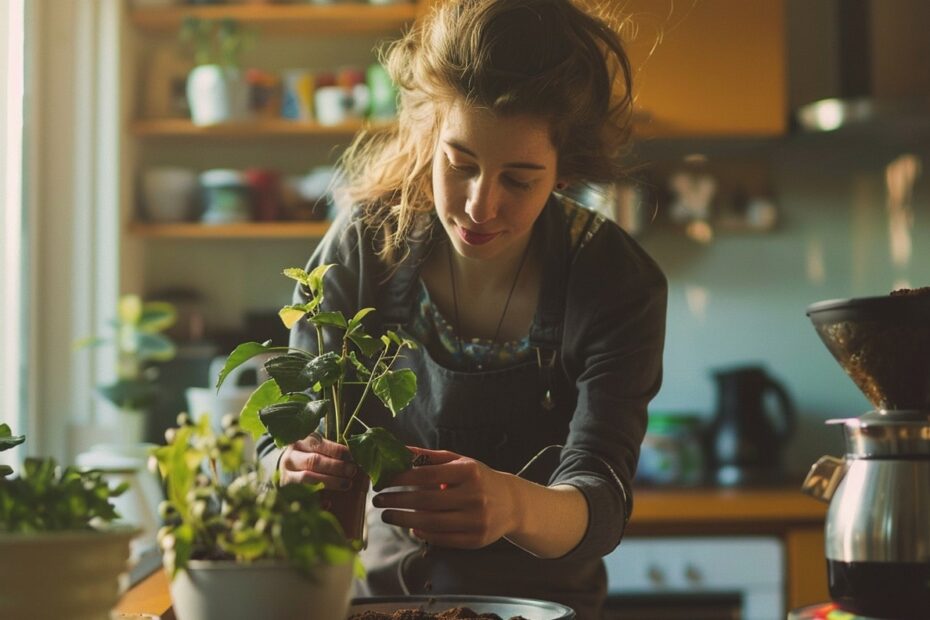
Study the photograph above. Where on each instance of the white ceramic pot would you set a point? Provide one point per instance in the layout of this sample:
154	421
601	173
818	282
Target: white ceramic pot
130	426
74	575
223	590
170	193
217	94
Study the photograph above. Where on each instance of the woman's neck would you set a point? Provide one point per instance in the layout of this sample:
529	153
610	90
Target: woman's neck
477	276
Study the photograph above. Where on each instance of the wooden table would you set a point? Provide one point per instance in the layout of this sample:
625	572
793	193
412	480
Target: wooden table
783	512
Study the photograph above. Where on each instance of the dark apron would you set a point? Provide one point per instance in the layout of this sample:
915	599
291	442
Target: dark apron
501	418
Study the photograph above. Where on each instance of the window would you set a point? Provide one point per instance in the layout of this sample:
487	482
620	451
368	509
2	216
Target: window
13	249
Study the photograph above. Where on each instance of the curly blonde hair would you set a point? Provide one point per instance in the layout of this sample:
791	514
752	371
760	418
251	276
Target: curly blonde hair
545	58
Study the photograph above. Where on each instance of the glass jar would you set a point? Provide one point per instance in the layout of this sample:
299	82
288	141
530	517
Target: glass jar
672	452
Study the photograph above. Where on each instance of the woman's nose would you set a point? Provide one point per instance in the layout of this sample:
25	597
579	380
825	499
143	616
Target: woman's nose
482	203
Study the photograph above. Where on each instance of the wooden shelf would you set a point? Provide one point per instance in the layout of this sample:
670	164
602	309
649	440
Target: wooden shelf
249	230
263	128
332	19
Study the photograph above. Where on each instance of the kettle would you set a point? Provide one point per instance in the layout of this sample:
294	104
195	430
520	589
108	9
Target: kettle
750	428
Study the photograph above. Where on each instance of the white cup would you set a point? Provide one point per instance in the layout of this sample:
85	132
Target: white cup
333	105
169	193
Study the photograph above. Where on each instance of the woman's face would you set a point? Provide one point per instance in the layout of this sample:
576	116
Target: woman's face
492	176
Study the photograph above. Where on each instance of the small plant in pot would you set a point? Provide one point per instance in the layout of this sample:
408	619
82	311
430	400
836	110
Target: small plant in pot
140	344
245	549
61	553
310	390
217	91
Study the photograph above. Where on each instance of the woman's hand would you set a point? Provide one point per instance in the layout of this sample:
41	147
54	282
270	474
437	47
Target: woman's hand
314	459
454	501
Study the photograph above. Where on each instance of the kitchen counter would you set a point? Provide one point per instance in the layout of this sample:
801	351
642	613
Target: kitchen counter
777	511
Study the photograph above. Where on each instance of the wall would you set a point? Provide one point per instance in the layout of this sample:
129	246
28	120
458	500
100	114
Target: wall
834	222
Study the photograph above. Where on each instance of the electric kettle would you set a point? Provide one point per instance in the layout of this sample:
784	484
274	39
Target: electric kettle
753	421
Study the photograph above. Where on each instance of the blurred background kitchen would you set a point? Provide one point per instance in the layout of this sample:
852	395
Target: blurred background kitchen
183	151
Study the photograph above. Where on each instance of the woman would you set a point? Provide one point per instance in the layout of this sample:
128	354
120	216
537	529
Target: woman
541	324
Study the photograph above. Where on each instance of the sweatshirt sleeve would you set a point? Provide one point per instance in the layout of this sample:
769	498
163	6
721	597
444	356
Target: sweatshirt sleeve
612	344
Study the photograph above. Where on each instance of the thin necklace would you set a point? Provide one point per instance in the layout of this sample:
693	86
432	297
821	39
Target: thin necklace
455	299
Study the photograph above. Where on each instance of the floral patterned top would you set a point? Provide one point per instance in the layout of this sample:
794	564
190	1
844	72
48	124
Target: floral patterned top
434	332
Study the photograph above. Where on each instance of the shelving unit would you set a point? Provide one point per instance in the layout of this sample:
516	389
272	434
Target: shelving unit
269	20
291	19
234	269
249	230
262	128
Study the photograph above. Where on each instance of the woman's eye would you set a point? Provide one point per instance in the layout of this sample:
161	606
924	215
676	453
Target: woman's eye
461	168
516	183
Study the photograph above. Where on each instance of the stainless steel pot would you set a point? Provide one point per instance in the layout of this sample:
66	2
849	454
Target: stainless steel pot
505	607
878	524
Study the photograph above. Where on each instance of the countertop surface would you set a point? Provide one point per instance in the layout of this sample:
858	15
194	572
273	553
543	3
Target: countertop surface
657	511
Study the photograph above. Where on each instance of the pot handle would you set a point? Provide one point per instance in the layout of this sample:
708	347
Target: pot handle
787	409
823	478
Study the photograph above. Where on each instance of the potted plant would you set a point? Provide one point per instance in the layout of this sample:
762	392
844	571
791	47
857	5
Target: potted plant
245	549
308	390
139	342
217	91
61	556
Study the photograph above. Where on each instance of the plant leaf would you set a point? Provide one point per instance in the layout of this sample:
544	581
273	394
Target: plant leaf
156	316
129	309
154	347
247	545
129	393
292	421
380	454
290	371
396	389
5	470
324	370
291	314
357	319
241	354
298	274
315	279
335	319
360	368
7	439
266	394
366	344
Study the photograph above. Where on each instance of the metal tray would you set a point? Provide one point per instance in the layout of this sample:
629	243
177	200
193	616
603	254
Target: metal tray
504	606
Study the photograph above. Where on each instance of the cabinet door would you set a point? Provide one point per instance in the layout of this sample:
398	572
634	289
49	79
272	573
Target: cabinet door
708	67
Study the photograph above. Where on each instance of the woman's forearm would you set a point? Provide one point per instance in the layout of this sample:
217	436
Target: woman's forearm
549	521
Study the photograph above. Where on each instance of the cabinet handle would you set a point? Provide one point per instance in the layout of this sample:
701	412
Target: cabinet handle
656	575
693	575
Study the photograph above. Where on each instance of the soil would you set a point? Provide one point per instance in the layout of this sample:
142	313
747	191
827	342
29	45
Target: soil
456	613
911	292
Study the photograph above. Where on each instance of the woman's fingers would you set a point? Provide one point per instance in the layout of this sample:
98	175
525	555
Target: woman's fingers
314	459
430	500
432	521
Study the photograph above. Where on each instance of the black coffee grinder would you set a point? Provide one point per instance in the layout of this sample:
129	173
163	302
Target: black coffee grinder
878	524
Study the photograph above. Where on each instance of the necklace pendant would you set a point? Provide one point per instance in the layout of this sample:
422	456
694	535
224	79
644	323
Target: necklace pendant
547	401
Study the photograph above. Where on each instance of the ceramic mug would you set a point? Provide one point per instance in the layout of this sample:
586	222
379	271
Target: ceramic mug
169	193
333	104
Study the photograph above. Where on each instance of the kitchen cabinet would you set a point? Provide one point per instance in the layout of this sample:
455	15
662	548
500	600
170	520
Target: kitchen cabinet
784	513
711	68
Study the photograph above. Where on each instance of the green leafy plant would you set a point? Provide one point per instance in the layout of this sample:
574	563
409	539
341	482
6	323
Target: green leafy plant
216	42
307	388
139	342
49	498
242	521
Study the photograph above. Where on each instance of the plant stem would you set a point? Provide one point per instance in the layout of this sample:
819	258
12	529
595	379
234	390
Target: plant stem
331	431
364	395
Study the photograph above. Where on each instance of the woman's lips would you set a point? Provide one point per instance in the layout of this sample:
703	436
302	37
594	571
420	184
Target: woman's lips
475	238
